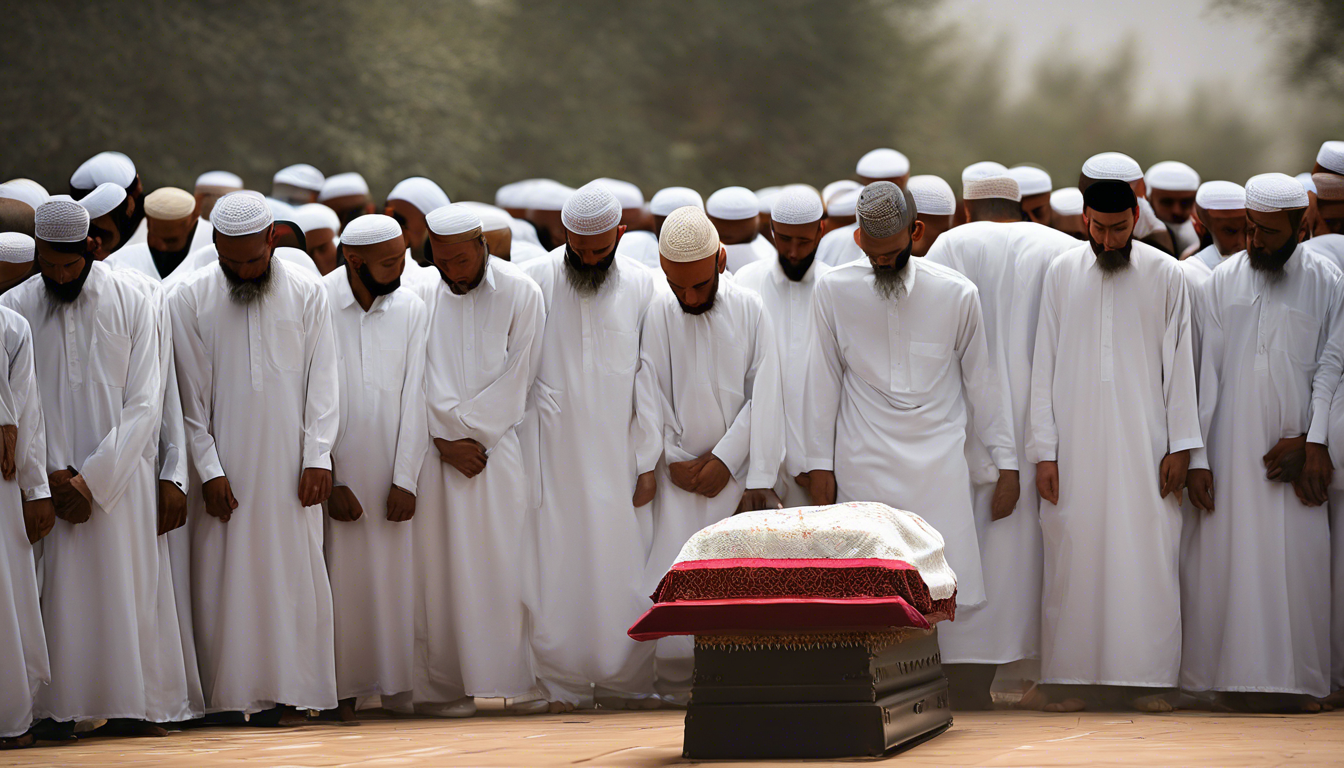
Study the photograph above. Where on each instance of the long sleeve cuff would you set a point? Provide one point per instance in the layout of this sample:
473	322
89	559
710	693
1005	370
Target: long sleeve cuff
759	479
42	491
406	481
1320	426
317	461
827	465
209	467
1005	458
1187	444
1199	458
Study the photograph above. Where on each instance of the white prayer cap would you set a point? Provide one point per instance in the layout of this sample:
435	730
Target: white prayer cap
1067	201
219	180
493	219
314	216
982	170
842	204
836	187
996	187
766	197
546	195
1031	180
1271	192
933	196
797	206
884	209
733	204
16	248
61	221
1306	181
169	204
424	194
1171	176
883	164
301	175
455	219
669	199
514	194
280	210
688	235
370	229
1112	165
103	167
13	190
102	200
342	185
1331	156
627	194
1221	196
241	213
591	210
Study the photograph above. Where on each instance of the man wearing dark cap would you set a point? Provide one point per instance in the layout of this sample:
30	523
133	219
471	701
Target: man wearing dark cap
1113	420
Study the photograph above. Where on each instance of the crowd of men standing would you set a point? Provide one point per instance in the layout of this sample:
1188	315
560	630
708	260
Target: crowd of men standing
271	455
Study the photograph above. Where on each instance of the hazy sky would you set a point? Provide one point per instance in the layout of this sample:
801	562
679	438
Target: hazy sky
1182	42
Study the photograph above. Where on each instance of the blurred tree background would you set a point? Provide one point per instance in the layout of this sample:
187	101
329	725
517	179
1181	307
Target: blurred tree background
704	93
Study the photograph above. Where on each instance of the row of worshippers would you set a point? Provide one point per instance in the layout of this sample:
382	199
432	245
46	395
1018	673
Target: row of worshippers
623	409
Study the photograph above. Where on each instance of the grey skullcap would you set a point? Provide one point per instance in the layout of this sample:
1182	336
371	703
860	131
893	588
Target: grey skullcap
884	209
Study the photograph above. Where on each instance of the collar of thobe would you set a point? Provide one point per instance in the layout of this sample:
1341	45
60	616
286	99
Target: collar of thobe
345	295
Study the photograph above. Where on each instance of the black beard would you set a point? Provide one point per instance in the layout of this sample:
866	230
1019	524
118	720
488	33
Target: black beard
706	305
1271	263
462	289
1111	261
887	280
247	291
587	279
544	237
66	293
373	286
128	223
797	270
167	261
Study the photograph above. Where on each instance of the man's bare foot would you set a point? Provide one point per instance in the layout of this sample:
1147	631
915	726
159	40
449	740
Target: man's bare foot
1335	699
1153	704
559	707
128	727
1277	703
527	706
1067	705
279	716
18	742
344	713
1034	699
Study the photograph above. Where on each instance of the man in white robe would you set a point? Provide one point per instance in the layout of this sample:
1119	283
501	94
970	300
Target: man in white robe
1257	599
1171	188
594	431
1006	258
28	516
1220	222
256	365
734	211
172	218
710	346
486	321
899	366
108	606
1118	166
409	202
1113	419
379	328
785	286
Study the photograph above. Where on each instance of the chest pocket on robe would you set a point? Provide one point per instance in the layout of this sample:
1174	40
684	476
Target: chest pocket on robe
391	361
494	353
619	351
1298	337
928	360
109	357
287	345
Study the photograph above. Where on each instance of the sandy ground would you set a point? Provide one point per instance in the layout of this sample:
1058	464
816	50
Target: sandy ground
493	738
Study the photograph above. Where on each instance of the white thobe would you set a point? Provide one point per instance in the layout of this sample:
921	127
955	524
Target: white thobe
741	254
259	396
1007	263
24	665
137	257
789	305
1183	235
890	387
1113	391
139	235
1257	608
207	255
642	247
107	599
523	231
838	248
471	629
381	442
594	428
1211	257
522	252
719	384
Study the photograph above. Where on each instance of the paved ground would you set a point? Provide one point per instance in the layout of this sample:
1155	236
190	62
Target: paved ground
1004	738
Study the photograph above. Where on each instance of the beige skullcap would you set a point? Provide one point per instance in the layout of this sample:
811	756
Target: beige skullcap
688	235
169	204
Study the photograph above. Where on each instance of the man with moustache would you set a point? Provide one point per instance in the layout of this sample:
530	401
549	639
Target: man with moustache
899	364
709	344
171	213
258	373
1113	420
785	285
486	321
592	439
108	606
1257	609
